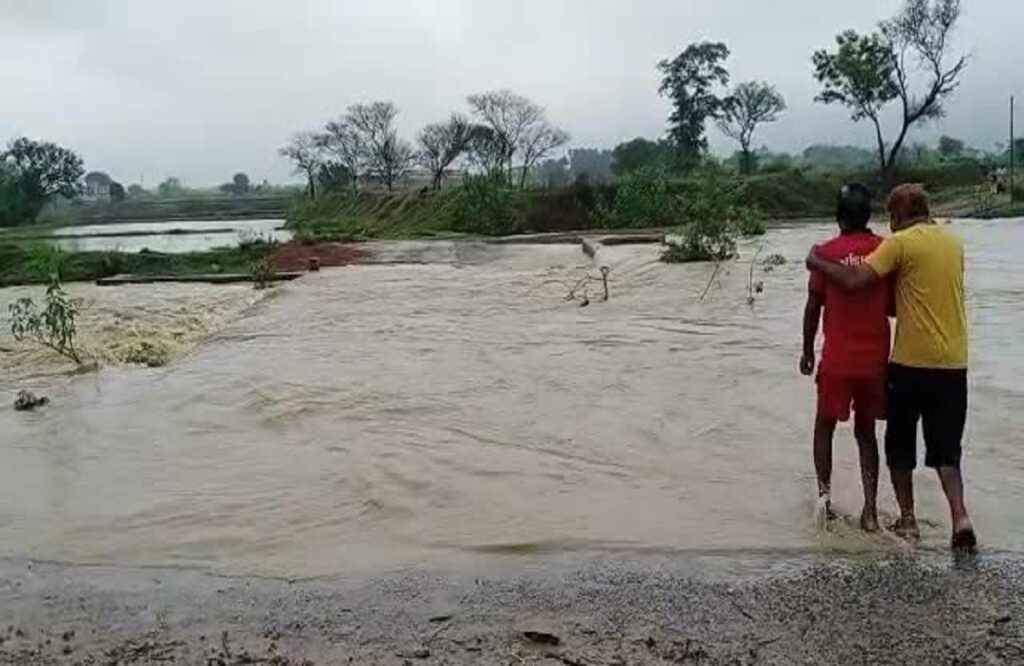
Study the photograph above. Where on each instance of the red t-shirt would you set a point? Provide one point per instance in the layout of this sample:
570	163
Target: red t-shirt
856	323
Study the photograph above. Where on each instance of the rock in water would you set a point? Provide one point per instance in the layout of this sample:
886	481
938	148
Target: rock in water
28	401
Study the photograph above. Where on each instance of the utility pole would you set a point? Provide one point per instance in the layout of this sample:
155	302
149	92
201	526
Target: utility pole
1012	151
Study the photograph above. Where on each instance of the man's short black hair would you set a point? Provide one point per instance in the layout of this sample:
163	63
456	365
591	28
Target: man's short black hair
853	210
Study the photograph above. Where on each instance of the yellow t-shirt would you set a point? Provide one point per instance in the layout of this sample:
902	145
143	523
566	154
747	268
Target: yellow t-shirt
931	325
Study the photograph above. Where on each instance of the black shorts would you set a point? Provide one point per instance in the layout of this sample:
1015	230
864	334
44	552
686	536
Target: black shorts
936	397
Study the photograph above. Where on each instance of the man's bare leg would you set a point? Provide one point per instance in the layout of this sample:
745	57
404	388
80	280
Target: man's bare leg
867	443
953	486
903	485
824	431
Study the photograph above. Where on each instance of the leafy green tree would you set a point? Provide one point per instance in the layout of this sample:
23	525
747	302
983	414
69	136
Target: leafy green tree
34	173
751	104
241	184
822	156
867	72
170	188
639	154
333	177
950	148
691	81
116	192
552	172
595	165
135	191
97	183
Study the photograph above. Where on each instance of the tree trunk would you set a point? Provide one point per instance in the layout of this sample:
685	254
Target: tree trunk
312	187
896	147
883	171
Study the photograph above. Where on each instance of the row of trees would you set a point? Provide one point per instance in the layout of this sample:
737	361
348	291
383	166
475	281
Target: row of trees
907	62
505	136
34	173
100	184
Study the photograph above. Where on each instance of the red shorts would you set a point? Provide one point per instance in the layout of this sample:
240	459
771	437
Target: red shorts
837	394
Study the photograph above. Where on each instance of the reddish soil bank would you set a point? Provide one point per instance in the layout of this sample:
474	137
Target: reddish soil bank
296	257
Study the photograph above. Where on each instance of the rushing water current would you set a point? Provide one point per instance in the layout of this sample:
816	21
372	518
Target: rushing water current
395	415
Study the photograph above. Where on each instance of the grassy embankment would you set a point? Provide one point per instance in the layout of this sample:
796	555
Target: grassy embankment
34	263
472	210
478	210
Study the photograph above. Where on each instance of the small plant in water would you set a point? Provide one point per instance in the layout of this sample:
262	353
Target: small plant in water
53	327
262	273
773	260
702	240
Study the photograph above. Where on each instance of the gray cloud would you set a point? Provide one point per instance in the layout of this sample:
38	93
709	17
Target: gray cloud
203	88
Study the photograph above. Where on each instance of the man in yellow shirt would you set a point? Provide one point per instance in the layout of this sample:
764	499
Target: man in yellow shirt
928	369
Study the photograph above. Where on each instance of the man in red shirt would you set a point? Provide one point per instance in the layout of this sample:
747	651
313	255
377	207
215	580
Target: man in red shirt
855	355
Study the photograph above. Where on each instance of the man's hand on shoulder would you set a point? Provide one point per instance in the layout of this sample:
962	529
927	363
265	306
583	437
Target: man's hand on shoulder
814	260
847	277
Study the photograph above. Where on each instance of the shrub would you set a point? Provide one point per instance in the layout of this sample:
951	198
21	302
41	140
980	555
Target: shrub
643	198
749	222
716	213
703	240
262	273
481	205
53	327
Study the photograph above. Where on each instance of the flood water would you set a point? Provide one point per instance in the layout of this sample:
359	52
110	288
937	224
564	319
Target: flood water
200	236
387	416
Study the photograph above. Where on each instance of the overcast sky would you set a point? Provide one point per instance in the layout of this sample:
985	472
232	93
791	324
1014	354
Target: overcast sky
200	89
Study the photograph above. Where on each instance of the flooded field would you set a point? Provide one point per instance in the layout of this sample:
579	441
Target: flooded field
166	236
378	417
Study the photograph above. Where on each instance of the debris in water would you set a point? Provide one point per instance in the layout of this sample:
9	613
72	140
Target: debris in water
151	353
542	638
773	260
28	401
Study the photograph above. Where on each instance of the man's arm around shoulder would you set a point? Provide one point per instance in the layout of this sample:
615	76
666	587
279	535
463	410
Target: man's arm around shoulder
880	263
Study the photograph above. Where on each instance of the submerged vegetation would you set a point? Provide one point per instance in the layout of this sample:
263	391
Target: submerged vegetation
52	325
37	263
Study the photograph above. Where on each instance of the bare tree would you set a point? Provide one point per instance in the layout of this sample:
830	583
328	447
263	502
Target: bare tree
508	116
392	159
537	142
923	29
751	104
386	155
869	71
304	151
346	145
441	144
487	151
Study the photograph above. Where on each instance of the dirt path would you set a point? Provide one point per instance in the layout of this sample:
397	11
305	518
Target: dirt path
698	610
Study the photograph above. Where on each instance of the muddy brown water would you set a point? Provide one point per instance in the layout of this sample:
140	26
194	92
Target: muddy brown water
380	417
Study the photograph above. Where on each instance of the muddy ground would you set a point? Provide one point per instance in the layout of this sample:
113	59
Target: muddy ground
699	610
